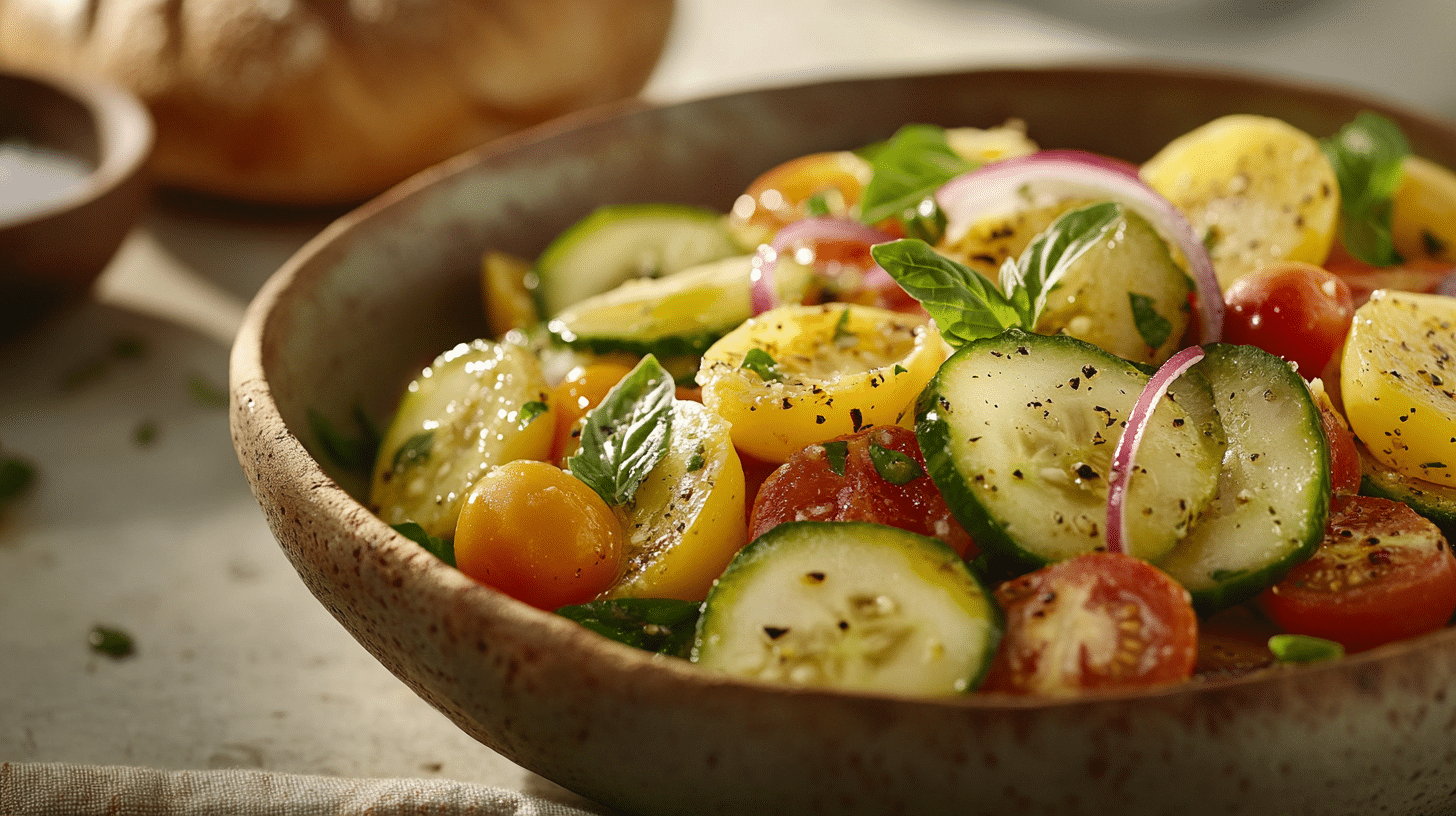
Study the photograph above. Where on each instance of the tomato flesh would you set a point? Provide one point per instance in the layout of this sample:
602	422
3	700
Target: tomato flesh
1344	455
853	478
1101	621
1381	574
1295	310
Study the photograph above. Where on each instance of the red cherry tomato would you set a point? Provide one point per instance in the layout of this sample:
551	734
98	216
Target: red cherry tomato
1096	621
1295	310
876	475
1413	275
1382	573
1344	455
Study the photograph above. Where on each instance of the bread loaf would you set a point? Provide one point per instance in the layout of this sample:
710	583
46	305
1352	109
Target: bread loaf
322	102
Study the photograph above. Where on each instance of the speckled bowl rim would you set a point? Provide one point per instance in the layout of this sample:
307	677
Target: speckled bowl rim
268	448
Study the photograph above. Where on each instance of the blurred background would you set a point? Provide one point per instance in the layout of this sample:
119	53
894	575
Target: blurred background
137	516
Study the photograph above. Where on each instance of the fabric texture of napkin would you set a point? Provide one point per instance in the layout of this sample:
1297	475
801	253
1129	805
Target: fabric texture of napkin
61	789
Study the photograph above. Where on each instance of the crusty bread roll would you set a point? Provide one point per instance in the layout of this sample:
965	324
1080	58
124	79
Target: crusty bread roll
321	102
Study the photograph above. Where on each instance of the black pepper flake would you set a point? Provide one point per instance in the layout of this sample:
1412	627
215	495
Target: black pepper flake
775	632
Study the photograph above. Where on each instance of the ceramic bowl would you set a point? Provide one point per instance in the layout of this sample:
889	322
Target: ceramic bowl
345	323
73	152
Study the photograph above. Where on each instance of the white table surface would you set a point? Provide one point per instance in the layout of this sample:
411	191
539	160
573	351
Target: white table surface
237	665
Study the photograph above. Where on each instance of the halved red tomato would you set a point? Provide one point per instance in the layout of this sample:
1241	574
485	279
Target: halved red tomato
1097	621
875	475
1383	573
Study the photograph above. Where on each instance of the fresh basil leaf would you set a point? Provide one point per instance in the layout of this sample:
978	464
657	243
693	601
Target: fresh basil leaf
837	452
843	337
1367	155
627	434
763	364
112	642
965	305
893	466
531	411
441	548
906	170
660	625
1303	648
354	453
1047	259
817	205
1152	327
414	451
16	475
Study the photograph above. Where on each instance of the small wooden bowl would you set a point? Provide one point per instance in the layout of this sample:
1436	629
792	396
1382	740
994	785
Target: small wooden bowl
346	322
54	245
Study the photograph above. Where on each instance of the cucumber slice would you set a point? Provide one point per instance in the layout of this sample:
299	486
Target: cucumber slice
1018	432
1436	502
1274	487
478	405
617	243
678	315
850	605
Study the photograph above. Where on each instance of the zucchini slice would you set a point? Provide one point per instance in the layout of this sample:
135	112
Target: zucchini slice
619	242
1018	432
1273	488
850	605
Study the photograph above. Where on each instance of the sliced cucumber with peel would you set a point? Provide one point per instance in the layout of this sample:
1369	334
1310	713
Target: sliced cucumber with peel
681	314
1436	502
1018	432
617	243
1274	486
853	606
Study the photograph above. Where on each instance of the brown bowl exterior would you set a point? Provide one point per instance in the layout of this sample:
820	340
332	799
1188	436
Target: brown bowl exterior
50	256
352	316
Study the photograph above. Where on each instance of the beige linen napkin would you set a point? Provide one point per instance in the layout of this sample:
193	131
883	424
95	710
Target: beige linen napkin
60	789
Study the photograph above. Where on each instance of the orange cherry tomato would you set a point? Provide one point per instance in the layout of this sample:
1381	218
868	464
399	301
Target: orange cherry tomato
817	184
1381	574
538	534
581	390
1097	621
876	475
1295	310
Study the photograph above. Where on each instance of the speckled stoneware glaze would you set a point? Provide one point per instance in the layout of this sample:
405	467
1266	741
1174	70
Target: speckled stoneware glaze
351	318
51	253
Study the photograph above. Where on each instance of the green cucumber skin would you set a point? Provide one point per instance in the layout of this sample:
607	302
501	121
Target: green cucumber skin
1225	365
678	345
792	533
1435	502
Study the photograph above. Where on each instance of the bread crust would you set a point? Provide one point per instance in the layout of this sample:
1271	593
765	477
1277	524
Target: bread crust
320	102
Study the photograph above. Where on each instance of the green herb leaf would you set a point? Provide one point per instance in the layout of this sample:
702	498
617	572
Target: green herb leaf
696	461
205	393
837	451
16	476
1304	648
763	364
1367	155
893	466
351	453
441	548
412	452
145	432
112	642
843	337
1152	327
965	305
531	411
1047	259
817	205
627	434
660	625
906	170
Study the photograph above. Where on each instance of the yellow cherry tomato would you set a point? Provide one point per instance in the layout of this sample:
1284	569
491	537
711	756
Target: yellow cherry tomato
538	534
581	391
835	369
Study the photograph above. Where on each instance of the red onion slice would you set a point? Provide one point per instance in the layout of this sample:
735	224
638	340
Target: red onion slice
808	231
1124	455
1050	176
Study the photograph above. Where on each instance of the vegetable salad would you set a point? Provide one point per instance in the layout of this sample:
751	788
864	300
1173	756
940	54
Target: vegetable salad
958	413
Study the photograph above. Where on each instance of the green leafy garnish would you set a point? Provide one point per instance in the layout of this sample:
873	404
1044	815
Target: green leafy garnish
205	393
660	625
414	451
965	305
843	337
1152	327
112	642
837	451
531	411
441	548
145	432
1367	155
353	453
16	476
893	466
905	172
696	461
1304	648
627	434
763	364
817	205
